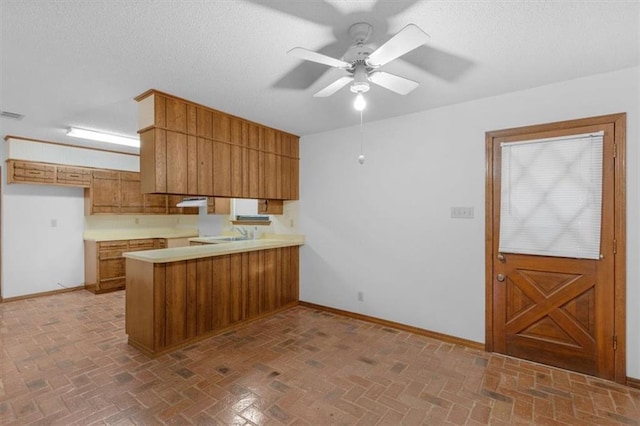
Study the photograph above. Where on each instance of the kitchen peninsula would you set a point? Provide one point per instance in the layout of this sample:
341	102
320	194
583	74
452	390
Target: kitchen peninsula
177	296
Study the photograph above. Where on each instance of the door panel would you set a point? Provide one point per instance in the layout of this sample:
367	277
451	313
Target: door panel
555	310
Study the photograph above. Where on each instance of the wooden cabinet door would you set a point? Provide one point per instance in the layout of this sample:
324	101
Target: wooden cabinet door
221	169
270	207
255	161
105	192
218	205
155	203
111	265
204	149
74	176
30	172
236	161
177	164
271	171
131	199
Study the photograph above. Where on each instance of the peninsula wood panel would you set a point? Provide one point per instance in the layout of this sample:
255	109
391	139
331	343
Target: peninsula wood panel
204	298
196	298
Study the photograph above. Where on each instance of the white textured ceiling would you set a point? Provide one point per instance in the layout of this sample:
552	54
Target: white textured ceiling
81	62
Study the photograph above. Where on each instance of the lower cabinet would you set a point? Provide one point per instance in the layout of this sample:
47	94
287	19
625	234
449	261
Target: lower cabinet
104	265
169	305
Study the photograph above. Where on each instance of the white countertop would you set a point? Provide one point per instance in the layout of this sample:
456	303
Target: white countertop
208	250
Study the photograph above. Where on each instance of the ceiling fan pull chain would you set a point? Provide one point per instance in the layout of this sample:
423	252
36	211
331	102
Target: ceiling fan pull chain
361	156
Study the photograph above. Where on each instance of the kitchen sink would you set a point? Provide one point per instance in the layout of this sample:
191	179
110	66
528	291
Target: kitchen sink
216	240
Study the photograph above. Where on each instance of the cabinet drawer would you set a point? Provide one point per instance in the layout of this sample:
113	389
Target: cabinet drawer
147	244
112	268
111	284
33	172
112	245
73	176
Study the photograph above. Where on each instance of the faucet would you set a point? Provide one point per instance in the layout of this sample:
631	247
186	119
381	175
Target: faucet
241	230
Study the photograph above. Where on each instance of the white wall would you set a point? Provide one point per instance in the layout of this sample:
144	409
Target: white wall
384	228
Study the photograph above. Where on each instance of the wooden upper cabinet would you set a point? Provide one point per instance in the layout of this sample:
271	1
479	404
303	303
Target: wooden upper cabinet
105	192
237	164
73	176
176	115
187	148
131	198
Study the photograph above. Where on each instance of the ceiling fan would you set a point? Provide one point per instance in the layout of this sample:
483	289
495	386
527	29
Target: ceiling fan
362	63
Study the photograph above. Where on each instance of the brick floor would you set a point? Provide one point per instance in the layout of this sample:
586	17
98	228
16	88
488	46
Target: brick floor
65	360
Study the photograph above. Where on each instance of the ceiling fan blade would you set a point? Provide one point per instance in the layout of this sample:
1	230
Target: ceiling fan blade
333	87
310	55
393	82
403	42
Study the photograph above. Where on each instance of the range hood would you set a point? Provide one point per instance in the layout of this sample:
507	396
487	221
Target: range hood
193	202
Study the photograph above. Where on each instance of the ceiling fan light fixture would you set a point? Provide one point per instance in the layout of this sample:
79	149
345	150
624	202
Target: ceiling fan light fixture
360	103
360	87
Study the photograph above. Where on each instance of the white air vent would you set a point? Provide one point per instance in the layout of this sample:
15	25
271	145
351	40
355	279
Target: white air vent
13	115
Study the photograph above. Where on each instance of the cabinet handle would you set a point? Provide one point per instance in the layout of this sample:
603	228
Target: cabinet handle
74	176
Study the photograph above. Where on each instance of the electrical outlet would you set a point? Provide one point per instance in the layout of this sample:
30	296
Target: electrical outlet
137	221
54	223
462	212
361	296
291	223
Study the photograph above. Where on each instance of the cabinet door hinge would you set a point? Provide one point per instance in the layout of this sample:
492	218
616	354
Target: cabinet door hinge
615	342
615	150
615	246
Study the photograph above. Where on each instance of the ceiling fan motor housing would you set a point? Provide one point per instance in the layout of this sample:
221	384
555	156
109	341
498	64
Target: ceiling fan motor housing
360	78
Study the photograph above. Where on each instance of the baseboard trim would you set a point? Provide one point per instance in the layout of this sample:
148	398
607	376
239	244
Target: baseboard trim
399	326
44	293
633	383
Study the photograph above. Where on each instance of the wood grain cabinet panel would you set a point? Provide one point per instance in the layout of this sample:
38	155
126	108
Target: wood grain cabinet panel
221	169
194	299
131	198
105	192
155	203
30	172
105	265
73	176
195	150
270	207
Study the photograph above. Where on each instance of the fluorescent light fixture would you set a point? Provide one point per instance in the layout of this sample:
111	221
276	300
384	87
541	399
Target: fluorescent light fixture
103	137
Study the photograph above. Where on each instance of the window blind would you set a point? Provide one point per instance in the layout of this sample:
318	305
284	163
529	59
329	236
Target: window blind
551	196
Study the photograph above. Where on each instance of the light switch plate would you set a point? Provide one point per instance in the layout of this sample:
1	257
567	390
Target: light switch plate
462	212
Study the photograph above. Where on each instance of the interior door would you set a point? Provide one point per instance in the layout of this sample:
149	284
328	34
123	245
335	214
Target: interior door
560	311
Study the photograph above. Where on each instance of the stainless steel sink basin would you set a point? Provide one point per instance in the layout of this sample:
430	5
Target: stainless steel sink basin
216	240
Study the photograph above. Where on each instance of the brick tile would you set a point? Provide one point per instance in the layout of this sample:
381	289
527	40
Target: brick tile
65	360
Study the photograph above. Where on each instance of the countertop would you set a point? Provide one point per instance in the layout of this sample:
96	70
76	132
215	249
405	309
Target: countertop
138	234
208	250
